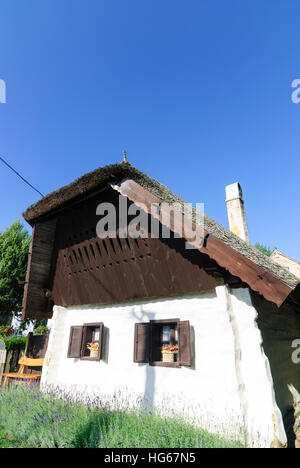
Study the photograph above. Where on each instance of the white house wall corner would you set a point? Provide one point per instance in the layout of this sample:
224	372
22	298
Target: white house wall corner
262	415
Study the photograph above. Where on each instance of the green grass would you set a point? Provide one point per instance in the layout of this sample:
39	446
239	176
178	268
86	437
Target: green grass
33	419
6	441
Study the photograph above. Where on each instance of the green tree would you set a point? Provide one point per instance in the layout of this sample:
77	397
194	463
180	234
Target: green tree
14	246
264	249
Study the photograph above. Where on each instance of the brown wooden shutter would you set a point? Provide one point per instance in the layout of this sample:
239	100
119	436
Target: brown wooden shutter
101	340
74	350
141	342
184	338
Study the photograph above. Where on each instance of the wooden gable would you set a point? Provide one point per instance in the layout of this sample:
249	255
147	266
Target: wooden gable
70	265
90	270
85	269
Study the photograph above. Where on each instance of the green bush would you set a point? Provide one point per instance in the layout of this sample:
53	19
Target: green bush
15	343
49	419
41	329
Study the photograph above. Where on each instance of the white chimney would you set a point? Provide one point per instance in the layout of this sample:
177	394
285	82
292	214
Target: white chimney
236	211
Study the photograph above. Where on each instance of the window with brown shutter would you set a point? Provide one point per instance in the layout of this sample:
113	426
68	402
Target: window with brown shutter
184	339
75	341
86	342
164	343
141	342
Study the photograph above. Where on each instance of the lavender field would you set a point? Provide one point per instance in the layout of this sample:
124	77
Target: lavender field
31	418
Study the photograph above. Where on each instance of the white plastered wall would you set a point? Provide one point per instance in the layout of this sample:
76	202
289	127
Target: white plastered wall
262	416
228	387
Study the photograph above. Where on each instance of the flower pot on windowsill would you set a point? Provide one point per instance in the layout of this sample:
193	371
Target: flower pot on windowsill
168	357
94	353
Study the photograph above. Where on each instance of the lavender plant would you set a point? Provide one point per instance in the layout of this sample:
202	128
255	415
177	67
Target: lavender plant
54	418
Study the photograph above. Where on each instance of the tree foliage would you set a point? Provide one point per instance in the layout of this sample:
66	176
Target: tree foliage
264	249
14	246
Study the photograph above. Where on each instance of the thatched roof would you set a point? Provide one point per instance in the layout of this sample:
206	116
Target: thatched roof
117	172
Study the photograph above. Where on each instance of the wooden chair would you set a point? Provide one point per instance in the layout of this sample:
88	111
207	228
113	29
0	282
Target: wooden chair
23	363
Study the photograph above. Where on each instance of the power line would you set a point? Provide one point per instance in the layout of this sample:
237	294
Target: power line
19	175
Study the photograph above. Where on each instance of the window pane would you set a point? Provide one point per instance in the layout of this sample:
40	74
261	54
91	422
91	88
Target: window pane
176	335
166	334
96	334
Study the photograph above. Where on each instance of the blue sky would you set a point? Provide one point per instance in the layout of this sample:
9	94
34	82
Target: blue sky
197	92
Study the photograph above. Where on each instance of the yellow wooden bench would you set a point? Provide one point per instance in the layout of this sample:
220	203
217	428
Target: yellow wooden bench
23	363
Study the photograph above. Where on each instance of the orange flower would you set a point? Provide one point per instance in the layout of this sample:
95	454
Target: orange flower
169	349
93	346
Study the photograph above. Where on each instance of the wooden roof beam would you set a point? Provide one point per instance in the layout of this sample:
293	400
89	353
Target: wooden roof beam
257	278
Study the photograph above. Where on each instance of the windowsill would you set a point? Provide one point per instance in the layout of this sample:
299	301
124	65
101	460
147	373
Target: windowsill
88	358
165	364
